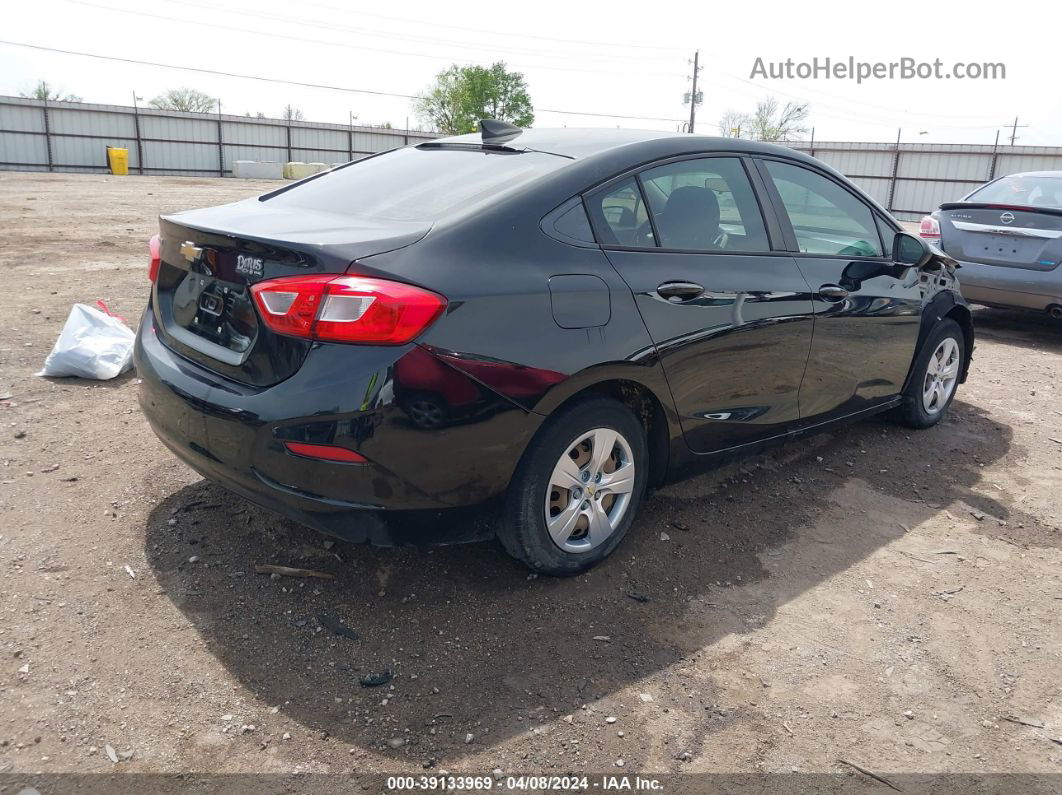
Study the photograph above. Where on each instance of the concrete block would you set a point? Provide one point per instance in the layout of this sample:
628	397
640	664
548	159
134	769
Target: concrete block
296	170
257	169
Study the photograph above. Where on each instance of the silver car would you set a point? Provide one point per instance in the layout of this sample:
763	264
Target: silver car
1007	235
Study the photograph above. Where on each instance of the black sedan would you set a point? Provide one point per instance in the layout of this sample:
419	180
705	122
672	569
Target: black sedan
552	320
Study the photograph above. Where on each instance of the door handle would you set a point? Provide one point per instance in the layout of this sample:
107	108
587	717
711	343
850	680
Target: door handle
832	292
677	292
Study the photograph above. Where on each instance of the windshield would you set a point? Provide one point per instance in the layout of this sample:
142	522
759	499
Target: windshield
1027	191
412	184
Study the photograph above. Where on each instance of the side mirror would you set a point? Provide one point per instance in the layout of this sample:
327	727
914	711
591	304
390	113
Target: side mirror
910	250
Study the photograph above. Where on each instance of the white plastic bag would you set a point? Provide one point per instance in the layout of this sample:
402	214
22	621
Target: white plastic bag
93	344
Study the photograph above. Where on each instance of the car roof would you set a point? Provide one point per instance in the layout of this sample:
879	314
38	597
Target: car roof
580	143
1057	174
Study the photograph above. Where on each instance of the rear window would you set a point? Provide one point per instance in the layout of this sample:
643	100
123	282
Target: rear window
1025	191
412	184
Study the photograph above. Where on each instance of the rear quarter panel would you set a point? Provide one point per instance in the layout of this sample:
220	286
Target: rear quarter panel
495	272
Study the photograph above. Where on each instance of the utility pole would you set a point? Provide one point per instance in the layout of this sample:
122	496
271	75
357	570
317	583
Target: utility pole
693	93
1014	130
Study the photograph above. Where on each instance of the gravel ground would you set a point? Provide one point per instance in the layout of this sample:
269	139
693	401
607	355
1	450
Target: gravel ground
877	595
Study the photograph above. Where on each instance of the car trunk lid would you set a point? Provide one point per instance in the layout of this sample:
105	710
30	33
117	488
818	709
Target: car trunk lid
1003	235
210	258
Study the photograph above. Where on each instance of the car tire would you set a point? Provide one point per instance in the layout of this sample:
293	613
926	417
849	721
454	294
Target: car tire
544	497
918	409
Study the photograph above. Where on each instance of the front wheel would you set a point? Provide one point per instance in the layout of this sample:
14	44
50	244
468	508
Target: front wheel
935	376
577	488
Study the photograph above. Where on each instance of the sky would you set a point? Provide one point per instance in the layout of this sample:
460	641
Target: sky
618	58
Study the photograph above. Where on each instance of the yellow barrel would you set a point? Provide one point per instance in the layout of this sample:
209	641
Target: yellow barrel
118	160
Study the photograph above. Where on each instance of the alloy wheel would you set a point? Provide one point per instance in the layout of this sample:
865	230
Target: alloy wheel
942	374
590	490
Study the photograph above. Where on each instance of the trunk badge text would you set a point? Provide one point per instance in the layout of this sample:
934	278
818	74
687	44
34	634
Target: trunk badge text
1007	217
249	266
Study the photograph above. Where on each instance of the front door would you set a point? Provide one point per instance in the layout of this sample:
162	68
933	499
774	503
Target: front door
868	308
731	320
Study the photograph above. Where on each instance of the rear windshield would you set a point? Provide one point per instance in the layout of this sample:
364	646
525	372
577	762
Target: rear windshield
412	184
1024	191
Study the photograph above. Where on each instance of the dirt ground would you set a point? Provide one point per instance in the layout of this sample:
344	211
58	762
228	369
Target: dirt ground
877	595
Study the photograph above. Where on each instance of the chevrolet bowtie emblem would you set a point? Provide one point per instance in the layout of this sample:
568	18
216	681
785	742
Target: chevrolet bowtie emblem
190	251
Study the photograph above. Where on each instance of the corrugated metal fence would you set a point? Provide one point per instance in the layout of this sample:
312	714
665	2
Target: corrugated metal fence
908	179
73	136
911	180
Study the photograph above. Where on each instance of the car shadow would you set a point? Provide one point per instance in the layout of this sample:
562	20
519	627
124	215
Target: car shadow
477	646
1035	330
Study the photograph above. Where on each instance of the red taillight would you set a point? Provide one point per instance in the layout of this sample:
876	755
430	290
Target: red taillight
155	247
929	228
358	309
325	452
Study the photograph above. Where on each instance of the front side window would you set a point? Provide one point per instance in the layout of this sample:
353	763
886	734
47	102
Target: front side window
705	205
888	234
826	218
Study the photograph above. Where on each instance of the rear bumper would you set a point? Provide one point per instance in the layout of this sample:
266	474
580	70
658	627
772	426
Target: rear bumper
1021	288
234	435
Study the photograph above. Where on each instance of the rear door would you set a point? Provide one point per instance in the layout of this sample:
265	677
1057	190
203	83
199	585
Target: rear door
867	308
730	317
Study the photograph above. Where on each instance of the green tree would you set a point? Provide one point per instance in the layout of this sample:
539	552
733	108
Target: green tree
189	100
462	95
46	91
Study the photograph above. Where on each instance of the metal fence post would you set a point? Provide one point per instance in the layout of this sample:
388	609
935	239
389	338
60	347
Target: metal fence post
995	159
221	145
48	136
139	145
895	172
289	140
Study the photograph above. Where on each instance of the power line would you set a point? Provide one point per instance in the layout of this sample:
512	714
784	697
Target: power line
304	84
584	42
355	47
332	25
208	71
604	115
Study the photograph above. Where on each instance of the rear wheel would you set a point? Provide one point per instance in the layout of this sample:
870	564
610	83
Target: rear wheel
577	488
935	376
